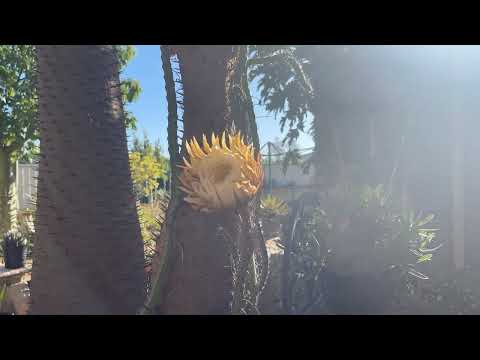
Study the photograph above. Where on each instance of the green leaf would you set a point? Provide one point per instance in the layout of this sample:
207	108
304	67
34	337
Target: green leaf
425	220
423	258
415	252
423	250
417	274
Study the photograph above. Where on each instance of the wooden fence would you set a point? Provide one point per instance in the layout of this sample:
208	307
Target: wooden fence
26	184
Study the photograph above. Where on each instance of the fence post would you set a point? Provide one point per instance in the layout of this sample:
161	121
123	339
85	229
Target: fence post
270	186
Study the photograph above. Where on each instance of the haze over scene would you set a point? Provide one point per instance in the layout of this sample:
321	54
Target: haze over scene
151	107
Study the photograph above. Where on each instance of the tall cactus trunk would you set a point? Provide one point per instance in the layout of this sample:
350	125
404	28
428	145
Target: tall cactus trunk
88	251
200	278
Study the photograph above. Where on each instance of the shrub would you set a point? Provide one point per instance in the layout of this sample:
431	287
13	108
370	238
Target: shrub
25	226
271	206
151	219
355	257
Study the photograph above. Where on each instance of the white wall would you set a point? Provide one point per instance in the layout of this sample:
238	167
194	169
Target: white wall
294	175
26	184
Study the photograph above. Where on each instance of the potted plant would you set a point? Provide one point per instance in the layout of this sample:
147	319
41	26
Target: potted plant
14	250
271	211
25	226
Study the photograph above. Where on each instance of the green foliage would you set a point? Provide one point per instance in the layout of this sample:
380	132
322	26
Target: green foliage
14	237
125	54
291	157
145	147
148	166
309	257
145	173
371	196
130	88
360	238
287	155
18	99
25	226
284	87
404	235
271	206
422	238
3	297
151	219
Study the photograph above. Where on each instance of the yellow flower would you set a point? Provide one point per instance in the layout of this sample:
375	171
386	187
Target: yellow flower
220	175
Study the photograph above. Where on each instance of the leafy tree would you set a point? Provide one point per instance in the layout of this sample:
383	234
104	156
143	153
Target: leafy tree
130	87
285	90
18	120
284	87
146	172
147	165
144	146
302	82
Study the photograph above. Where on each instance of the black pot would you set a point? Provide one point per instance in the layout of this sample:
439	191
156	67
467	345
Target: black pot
14	255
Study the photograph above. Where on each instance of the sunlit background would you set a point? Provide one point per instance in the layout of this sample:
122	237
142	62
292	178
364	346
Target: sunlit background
374	209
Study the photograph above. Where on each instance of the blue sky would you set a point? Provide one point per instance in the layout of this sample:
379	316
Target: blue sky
151	107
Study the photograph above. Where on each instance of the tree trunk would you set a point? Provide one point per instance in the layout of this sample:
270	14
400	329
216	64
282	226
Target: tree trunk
88	251
328	147
5	180
200	280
